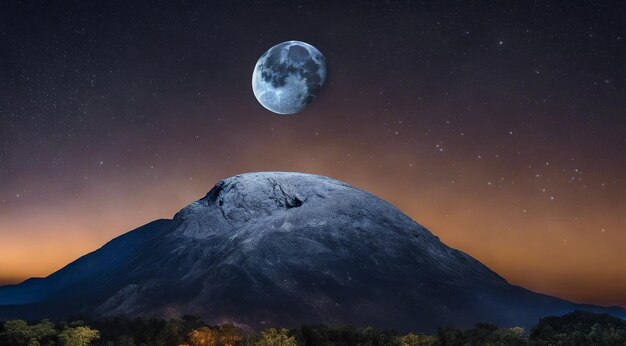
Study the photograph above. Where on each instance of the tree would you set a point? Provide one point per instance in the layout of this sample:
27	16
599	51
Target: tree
78	336
224	335
509	336
371	336
170	334
579	328
42	333
275	337
230	335
450	336
203	336
417	340
18	333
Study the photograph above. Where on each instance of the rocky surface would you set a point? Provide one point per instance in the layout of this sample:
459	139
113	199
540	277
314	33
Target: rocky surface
285	249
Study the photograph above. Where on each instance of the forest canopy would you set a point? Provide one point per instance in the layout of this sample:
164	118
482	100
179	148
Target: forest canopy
577	328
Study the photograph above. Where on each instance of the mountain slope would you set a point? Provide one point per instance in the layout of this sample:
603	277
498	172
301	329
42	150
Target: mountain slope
287	249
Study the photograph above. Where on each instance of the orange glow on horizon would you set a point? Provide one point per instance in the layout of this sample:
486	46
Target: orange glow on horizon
555	246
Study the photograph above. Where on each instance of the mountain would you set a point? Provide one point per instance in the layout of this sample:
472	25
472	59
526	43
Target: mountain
285	249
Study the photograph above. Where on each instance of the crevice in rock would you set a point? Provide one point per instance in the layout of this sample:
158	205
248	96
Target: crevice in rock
287	200
211	197
292	203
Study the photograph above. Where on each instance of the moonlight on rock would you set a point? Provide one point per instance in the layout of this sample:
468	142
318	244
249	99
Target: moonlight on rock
288	77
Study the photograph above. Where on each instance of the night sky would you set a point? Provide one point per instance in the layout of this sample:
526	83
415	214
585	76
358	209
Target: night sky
501	129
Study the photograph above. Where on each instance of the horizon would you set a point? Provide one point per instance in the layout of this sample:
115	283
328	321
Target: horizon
203	196
96	246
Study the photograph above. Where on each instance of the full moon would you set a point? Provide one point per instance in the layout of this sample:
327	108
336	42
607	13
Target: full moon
288	77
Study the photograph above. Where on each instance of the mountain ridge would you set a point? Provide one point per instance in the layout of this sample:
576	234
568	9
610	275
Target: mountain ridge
285	248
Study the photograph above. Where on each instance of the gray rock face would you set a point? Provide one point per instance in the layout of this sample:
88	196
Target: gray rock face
285	249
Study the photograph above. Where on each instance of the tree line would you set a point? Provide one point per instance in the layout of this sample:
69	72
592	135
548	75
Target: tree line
577	328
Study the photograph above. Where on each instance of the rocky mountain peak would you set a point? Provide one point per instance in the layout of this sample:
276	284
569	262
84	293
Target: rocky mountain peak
267	192
254	196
